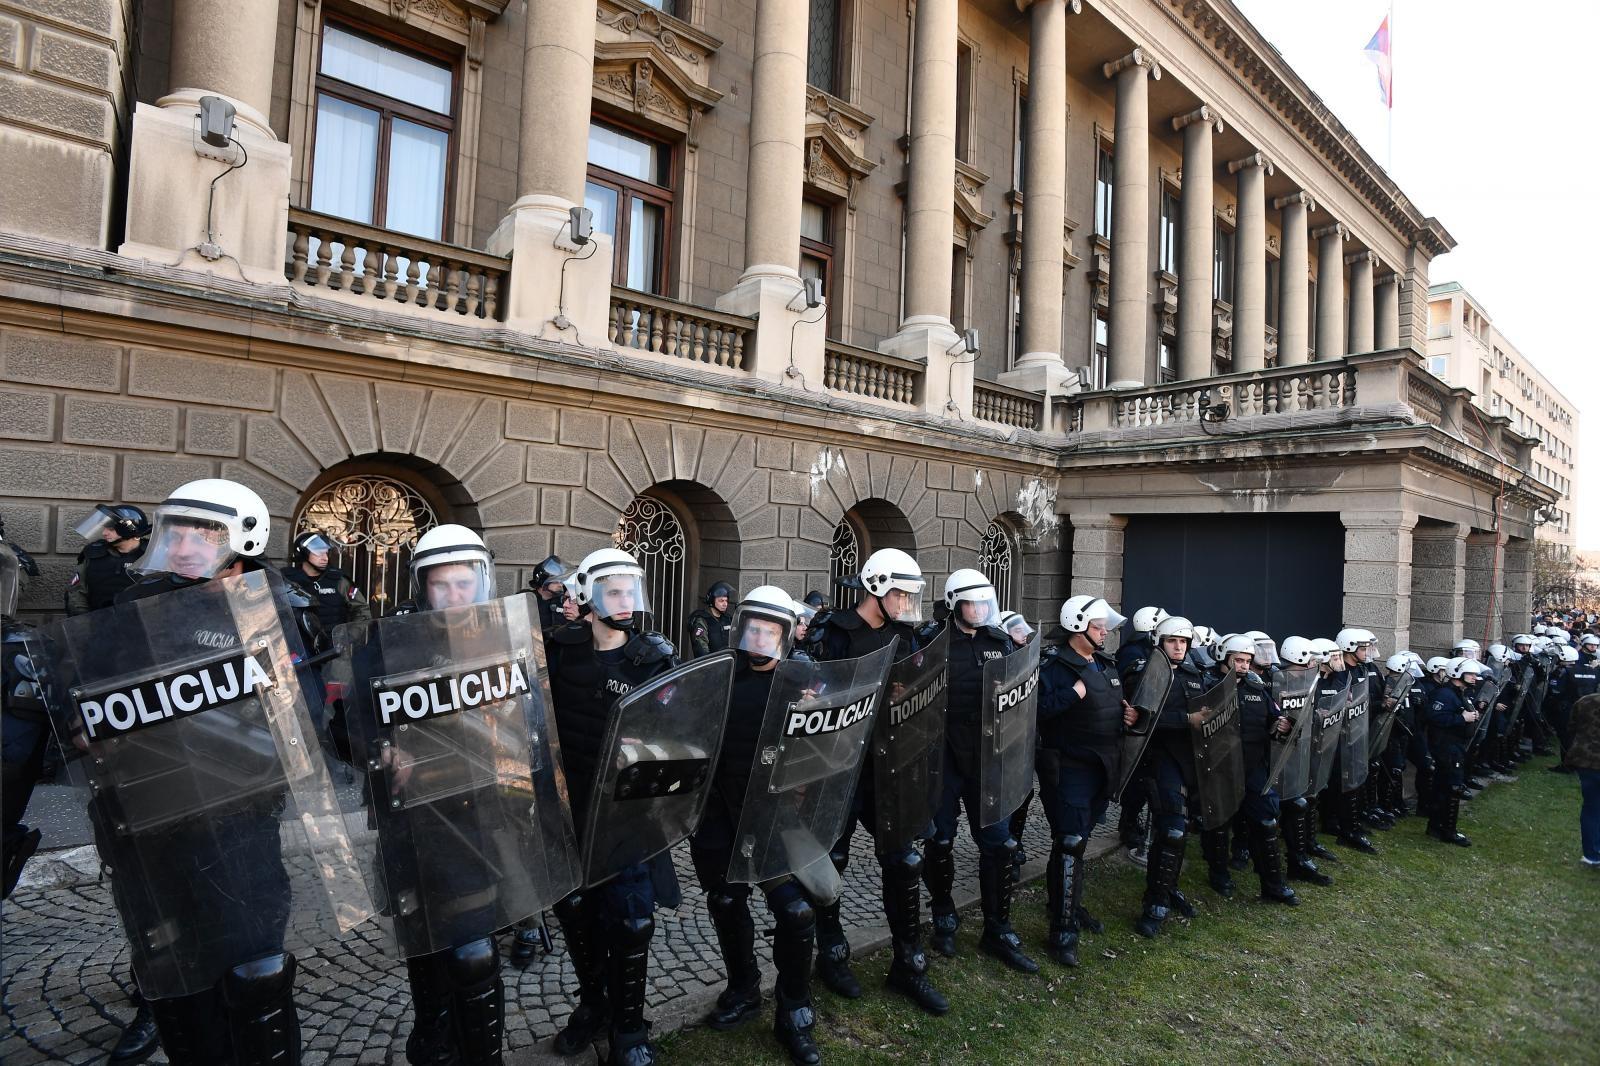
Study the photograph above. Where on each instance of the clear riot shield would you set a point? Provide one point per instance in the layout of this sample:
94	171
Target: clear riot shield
655	767
207	789
1154	684
1536	684
448	715
1006	752
908	746
814	735
1327	728
1353	737
1487	694
1387	711
1218	751
1290	773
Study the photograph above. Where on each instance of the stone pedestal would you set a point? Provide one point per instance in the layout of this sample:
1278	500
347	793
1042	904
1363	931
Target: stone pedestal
1377	573
784	336
947	379
1438	558
1484	571
535	234
1517	591
1097	541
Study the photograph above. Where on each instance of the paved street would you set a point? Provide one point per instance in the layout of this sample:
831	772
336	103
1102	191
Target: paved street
66	977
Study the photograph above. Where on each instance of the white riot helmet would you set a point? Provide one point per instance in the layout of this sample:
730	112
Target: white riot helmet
450	567
1467	648
1173	626
205	525
888	569
763	624
1079	611
1297	651
1266	648
971	587
1351	639
1590	640
1326	650
1145	619
1540	630
1499	654
1520	640
1466	670
610	582
1438	665
1204	637
1560	636
1016	627
1238	644
1569	654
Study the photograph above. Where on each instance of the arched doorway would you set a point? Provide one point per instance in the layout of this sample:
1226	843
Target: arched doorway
844	561
373	520
864	529
999	556
653	533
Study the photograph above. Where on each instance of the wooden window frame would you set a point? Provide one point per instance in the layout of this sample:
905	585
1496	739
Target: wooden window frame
626	187
827	251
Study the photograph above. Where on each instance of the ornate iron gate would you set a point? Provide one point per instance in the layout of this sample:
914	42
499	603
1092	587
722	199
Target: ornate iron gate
373	523
844	560
653	534
997	554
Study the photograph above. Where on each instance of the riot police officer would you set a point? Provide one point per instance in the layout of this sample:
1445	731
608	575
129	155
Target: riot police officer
1452	716
1081	714
1259	722
607	928
1342	807
1297	814
26	733
893	583
709	624
1131	656
116	534
763	634
550	591
336	597
975	639
1168	769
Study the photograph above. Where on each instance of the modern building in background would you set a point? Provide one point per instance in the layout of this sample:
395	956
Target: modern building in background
1467	350
1094	281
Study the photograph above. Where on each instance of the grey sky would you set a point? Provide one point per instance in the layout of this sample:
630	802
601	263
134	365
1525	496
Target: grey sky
1489	136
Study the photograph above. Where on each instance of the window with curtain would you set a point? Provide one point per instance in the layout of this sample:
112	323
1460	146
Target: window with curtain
816	247
385	116
1222	271
1100	358
629	190
1019	148
963	102
822	45
1166	360
1104	182
1171	213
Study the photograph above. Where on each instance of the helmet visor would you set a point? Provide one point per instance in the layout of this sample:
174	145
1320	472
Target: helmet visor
762	634
977	608
619	596
456	583
186	545
316	543
95	524
1469	653
1019	629
1266	652
901	604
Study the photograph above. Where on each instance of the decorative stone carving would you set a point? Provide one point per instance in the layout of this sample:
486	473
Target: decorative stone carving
653	91
1167	301
653	65
648	22
835	143
969	197
1222	330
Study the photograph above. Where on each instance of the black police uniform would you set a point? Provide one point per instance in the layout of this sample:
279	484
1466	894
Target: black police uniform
24	739
1130	825
1342	809
607	928
728	903
102	572
1449	733
337	598
1079	746
1169	773
1259	715
708	632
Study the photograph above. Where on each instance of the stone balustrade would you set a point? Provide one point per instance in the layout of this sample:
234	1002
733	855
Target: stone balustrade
401	271
1282	390
992	402
869	374
655	324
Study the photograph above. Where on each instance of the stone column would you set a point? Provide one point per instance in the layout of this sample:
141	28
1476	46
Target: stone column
1516	612
926	334
218	49
1484	571
1377	563
1250	263
1438	561
1130	219
1361	296
1294	280
1097	556
552	161
1040	366
1196	248
1330	290
770	287
1386	312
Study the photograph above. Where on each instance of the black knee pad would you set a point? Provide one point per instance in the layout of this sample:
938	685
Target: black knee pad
573	909
262	980
839	855
795	915
941	844
1174	837
727	898
634	932
1072	844
475	963
1004	853
1268	825
906	866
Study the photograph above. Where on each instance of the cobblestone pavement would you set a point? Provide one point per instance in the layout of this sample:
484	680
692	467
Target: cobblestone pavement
64	995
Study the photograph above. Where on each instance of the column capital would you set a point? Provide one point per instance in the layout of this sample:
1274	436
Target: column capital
1074	7
1364	256
1139	57
1301	197
1255	159
1204	113
1386	520
1333	229
1391	278
1098	521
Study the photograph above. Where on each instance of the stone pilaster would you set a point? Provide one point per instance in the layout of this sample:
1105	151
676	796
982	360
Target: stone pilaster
1294	280
1377	565
1517	589
1483	600
1361	301
1438	571
1386	312
1097	556
1250	263
1130	223
1197	246
1330	290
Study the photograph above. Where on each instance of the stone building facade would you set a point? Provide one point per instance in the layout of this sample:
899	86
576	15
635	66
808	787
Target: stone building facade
374	303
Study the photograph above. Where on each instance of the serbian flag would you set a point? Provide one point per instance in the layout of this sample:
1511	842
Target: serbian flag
1382	55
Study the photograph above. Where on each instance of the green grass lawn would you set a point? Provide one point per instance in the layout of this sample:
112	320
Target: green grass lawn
1423	954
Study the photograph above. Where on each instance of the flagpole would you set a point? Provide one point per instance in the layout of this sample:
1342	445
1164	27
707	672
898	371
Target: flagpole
1389	162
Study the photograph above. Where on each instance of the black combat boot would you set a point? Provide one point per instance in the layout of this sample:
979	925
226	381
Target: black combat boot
1424	785
1269	863
262	1024
627	967
480	1002
736	936
902	905
1313	848
1161	881
1239	859
433	1028
587	951
833	953
1395	789
528	938
139	1038
939	874
1373	811
193	1029
1063	877
997	879
1295	830
1447	819
795	1018
1214	849
1018	824
1350	835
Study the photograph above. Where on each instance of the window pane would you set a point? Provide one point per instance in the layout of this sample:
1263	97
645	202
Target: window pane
669	7
814	222
645	224
346	160
963	102
1020	150
602	202
389	71
812	267
822	30
417	158
625	154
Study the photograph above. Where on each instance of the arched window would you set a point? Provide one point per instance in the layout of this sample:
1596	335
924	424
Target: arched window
373	522
653	534
844	560
998	558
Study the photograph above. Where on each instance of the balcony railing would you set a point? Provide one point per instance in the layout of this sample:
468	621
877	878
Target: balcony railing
1282	390
993	402
393	269
666	327
866	373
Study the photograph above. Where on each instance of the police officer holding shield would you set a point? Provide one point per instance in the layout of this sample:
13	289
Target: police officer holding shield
1259	721
26	732
1132	829
550	591
1297	813
1081	714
